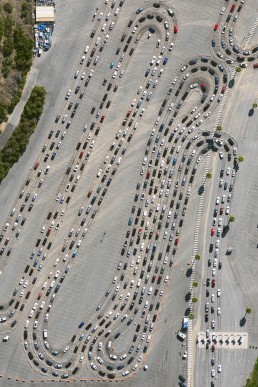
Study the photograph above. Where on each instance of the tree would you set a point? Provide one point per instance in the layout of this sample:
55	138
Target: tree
191	316
248	310
195	284
255	105
8	7
197	256
238	69
231	218
194	299
240	159
208	175
8	47
219	128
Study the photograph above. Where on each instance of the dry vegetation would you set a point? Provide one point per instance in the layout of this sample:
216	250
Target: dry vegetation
16	43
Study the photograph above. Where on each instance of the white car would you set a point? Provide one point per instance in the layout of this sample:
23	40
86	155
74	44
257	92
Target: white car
193	86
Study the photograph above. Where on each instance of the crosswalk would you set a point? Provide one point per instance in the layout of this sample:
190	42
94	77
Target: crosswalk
250	35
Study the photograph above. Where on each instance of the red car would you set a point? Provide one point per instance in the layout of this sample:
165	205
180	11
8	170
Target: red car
89	193
203	87
176	241
212	231
175	29
128	113
223	89
216	27
213	283
221	210
36	165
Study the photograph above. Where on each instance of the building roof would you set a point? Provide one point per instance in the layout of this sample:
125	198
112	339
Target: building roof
45	14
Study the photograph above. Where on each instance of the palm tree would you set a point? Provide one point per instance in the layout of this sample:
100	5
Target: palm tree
255	105
240	159
231	218
194	299
219	128
208	175
248	310
197	256
195	284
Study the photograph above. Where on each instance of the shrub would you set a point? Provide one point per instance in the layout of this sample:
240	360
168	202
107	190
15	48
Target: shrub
16	145
23	46
8	7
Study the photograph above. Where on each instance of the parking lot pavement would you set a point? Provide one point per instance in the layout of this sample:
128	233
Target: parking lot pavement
122	256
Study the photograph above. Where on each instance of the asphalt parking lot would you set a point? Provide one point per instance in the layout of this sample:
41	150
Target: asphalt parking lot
99	217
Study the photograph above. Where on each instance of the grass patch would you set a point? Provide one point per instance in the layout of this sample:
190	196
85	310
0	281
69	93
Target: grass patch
17	143
252	381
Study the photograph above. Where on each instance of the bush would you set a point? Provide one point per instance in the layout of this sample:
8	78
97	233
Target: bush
8	27
1	28
3	113
8	8
16	145
25	11
8	47
23	46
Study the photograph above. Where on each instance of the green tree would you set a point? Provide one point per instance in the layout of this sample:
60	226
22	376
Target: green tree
8	26
238	69
1	28
195	284
197	256
208	175
23	46
219	128
8	47
254	105
231	219
3	113
194	299
8	7
191	316
240	159
248	310
16	144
